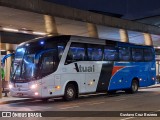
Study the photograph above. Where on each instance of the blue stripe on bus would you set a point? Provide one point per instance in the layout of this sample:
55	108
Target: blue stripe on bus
123	77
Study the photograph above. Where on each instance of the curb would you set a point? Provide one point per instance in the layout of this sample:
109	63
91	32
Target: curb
150	87
15	101
29	99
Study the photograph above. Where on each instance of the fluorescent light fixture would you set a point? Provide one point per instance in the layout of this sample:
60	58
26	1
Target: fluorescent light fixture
39	33
24	31
10	29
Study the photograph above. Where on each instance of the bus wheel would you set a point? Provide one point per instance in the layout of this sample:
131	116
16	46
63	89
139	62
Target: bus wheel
133	88
70	92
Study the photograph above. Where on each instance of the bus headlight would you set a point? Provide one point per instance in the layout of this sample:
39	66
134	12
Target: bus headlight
34	86
36	93
10	86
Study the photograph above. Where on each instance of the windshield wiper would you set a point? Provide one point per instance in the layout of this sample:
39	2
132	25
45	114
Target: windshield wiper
14	73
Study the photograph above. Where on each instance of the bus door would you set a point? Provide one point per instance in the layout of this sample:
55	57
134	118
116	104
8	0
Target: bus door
151	65
158	70
74	64
91	81
93	66
48	65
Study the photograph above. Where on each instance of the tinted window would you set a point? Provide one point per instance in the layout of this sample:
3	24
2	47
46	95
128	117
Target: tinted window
76	53
49	62
94	52
19	53
110	53
124	54
61	47
148	54
137	54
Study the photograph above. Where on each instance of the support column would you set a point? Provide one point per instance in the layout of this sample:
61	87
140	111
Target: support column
7	67
92	30
0	71
50	25
147	39
123	35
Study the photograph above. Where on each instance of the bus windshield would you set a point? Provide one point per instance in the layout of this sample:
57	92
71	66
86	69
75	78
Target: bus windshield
15	68
34	60
24	66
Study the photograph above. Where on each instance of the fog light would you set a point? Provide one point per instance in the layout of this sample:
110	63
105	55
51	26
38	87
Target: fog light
58	87
36	93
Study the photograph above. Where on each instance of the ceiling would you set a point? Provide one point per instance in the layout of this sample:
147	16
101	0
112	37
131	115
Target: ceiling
126	9
18	19
153	20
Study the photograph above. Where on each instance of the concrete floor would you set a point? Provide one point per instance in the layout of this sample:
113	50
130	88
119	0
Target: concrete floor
144	100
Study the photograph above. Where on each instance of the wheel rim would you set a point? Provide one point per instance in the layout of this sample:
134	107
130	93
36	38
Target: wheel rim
70	92
134	86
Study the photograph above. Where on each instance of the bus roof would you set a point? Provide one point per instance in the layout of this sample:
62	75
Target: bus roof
81	39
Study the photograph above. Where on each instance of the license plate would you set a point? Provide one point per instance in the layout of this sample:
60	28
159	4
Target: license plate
20	94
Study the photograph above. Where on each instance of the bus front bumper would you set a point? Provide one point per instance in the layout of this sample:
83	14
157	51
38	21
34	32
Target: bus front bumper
25	94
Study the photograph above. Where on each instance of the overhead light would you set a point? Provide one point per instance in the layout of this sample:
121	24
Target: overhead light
24	28
24	31
158	47
39	33
10	29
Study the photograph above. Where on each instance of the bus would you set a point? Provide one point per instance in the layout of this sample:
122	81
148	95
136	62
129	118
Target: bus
68	66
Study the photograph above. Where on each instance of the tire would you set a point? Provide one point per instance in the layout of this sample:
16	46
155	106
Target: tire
70	92
133	88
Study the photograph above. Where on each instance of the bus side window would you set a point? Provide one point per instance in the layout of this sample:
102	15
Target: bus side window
76	53
60	50
124	54
137	54
94	52
148	54
49	62
110	53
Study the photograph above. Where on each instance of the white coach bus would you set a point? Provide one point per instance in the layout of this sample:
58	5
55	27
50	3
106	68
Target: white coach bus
71	65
